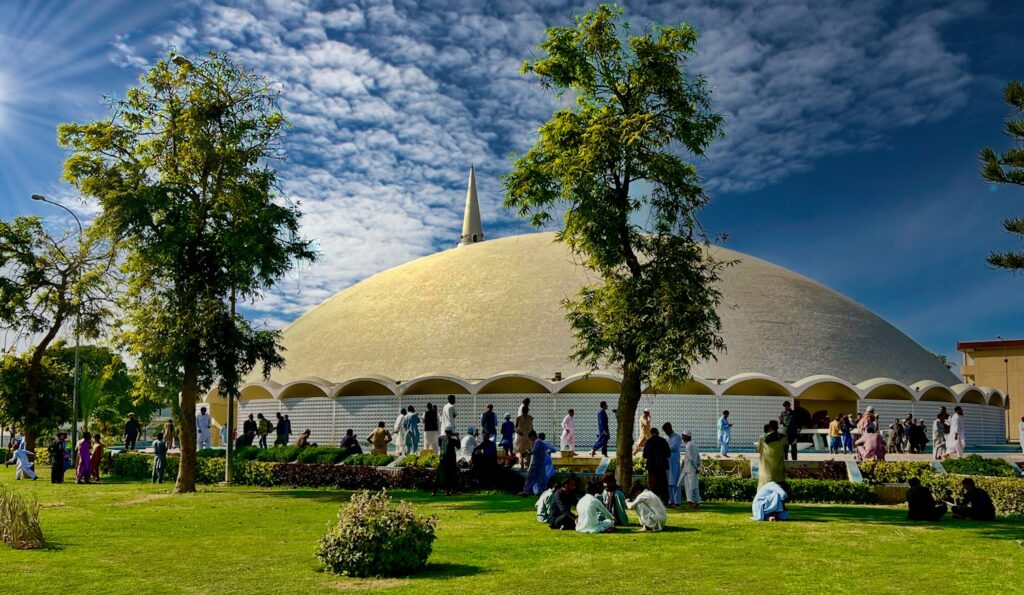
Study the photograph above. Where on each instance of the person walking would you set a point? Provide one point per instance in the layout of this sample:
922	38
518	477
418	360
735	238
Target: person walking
84	469
96	456
956	440
57	450
603	433
21	459
568	442
281	430
287	430
169	433
656	453
691	469
430	429
203	424
448	416
398	431
834	433
263	429
645	432
248	426
159	458
846	427
724	433
524	443
790	428
131	432
675	445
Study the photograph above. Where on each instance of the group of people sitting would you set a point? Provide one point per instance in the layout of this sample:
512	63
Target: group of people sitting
975	504
601	509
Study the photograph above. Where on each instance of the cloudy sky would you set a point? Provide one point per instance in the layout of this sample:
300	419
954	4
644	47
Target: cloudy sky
852	129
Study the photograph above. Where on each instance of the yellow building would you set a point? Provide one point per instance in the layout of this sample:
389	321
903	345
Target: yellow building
999	364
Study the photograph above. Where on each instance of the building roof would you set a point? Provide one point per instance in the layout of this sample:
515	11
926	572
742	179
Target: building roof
997	344
487	308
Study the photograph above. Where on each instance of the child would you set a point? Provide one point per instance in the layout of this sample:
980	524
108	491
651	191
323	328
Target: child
159	458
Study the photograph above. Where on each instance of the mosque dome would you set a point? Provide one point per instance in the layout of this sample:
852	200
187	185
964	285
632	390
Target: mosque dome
487	308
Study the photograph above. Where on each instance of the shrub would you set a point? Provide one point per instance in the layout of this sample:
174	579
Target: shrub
246	453
208	470
738	467
5	455
894	471
1007	493
19	521
639	466
429	461
278	454
371	460
803	490
210	453
256	473
977	465
322	455
372	538
829	470
131	465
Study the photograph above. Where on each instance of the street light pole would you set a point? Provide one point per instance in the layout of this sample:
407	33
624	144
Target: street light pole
78	318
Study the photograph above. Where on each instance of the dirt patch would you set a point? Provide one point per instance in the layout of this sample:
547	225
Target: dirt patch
142	499
368	584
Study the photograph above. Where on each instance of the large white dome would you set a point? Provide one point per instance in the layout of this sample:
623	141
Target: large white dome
495	306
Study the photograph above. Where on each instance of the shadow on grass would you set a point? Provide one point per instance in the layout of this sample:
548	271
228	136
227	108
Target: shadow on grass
447	570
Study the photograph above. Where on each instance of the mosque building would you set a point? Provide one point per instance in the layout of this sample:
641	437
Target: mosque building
484	321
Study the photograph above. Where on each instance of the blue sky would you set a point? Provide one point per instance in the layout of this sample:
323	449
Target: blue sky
850	156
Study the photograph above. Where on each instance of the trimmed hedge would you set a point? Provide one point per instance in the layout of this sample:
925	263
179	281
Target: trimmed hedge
978	465
1007	493
322	455
132	465
278	454
803	490
430	461
210	453
894	471
368	459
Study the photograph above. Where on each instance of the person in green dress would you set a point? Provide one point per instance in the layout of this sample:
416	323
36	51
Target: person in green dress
614	500
772	449
159	458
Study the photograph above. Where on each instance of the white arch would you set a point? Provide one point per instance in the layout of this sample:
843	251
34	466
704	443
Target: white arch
601	381
531	381
753	383
434	383
811	388
265	389
930	390
970	392
992	394
885	388
318	386
382	385
694	386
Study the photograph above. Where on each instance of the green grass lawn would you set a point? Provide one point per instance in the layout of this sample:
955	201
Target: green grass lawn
138	538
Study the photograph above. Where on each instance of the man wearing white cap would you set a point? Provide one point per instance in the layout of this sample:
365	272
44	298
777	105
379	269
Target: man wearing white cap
691	466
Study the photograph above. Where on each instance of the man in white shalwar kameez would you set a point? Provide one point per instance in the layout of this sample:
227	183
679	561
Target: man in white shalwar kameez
203	428
469	444
691	467
399	432
649	509
675	477
19	458
955	440
592	515
569	432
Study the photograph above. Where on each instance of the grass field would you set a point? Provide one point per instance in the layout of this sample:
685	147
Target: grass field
138	538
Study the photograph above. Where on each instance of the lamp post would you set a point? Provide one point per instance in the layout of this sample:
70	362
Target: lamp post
78	317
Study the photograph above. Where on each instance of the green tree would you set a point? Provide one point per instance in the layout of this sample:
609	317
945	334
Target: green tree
47	280
181	169
1008	168
52	406
612	161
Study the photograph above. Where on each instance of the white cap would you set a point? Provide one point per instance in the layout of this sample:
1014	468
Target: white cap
687	433
870	410
647	410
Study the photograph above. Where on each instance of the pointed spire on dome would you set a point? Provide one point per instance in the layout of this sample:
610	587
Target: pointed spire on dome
472	231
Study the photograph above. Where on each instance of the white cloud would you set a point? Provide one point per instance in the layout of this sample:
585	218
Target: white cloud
391	103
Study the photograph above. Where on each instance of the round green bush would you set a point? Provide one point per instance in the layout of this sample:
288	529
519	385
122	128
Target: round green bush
978	465
373	538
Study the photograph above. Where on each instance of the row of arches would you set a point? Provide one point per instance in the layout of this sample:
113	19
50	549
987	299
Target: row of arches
821	387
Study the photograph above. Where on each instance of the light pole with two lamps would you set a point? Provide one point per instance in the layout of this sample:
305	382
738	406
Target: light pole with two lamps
78	317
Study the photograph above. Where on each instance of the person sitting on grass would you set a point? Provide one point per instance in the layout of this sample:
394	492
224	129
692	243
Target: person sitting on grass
545	501
593	516
870	446
770	502
921	505
649	508
614	500
564	499
975	505
159	458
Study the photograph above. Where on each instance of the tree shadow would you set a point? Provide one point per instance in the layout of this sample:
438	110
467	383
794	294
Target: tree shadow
447	570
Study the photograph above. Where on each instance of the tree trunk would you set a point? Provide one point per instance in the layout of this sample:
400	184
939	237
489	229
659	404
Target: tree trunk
625	419
186	482
35	368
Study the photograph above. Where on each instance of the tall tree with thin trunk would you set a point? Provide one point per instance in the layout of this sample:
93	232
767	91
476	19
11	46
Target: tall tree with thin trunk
50	282
1008	168
181	169
615	163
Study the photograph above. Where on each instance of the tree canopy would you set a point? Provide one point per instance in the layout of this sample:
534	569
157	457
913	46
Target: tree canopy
1008	168
182	171
614	162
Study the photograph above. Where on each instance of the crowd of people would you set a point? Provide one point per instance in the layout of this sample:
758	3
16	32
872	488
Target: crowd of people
89	450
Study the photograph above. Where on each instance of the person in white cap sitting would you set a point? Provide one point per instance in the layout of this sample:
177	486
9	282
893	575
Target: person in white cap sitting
691	467
469	442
